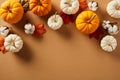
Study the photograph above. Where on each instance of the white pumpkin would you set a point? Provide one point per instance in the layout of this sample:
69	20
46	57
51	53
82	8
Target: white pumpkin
29	28
93	5
13	43
55	22
4	31
113	30
108	43
69	6
113	8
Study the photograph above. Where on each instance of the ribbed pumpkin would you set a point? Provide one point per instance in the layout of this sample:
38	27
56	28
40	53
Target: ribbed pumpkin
11	11
87	22
40	7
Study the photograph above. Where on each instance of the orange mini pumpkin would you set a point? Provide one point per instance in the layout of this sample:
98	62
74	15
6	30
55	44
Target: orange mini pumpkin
11	11
40	7
87	22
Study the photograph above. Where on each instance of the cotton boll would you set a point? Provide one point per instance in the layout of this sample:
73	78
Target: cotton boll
113	30
4	31
93	5
29	28
106	24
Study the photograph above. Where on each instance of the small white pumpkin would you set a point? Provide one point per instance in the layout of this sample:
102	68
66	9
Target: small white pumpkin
69	6
55	22
13	43
113	30
108	43
29	28
4	31
113	8
93	5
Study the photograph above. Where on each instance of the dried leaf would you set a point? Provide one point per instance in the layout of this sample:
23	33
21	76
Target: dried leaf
83	5
97	34
2	48
66	18
39	30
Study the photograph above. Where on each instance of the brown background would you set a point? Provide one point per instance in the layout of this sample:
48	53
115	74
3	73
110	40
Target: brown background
65	54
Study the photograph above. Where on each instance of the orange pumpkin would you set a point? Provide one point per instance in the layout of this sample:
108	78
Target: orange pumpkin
87	22
40	7
11	11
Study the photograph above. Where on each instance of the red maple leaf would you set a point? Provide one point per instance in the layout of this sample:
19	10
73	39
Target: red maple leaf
39	30
66	18
97	34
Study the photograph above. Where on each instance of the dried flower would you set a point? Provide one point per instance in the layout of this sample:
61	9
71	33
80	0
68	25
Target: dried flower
66	18
93	5
4	31
39	30
112	28
83	5
29	28
98	33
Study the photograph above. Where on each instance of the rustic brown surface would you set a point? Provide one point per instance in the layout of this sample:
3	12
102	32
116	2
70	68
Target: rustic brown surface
65	54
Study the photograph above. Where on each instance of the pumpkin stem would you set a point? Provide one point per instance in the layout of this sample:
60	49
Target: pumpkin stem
55	17
12	43
39	3
9	9
110	44
117	7
89	21
68	3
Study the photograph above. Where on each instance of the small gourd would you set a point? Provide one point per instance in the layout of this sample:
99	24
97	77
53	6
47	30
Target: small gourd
87	22
11	11
55	22
69	6
108	43
13	43
40	7
113	8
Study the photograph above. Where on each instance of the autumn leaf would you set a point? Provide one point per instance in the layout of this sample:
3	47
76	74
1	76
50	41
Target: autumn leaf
83	5
66	18
97	34
39	30
2	47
